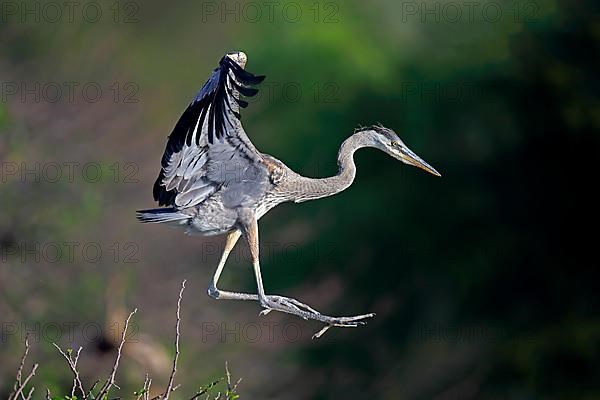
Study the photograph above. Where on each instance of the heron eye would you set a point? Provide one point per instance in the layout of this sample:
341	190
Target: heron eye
395	144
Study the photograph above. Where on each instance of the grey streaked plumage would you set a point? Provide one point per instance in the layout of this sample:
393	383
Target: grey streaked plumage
214	181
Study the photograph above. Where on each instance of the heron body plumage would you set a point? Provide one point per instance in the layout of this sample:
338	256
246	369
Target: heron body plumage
214	181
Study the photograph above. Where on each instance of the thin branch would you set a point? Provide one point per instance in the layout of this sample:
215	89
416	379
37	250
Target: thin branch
20	370
177	335
142	394
230	389
111	379
20	385
206	389
73	365
228	376
161	396
236	385
76	380
25	382
147	394
89	392
28	397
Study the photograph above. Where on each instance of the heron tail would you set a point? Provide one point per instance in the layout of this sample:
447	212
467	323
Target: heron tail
161	215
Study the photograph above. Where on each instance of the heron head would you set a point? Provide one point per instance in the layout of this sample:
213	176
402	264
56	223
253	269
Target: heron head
239	57
388	141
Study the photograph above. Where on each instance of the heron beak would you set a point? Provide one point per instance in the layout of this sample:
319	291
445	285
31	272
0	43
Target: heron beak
407	156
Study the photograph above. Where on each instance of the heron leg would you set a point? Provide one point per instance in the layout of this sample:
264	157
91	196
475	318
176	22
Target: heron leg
213	291
218	294
288	305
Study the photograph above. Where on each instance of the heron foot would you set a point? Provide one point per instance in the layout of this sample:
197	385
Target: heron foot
295	307
285	304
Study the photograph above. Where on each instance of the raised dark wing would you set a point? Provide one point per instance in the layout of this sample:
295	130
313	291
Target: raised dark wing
208	150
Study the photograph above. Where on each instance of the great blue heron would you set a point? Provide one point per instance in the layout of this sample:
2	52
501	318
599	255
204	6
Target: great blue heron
214	181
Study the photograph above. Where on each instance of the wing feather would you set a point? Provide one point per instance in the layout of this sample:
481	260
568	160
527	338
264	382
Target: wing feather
208	150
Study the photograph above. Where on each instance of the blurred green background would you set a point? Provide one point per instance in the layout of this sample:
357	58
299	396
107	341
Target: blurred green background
485	281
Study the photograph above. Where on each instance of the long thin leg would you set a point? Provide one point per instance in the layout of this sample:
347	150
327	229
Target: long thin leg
218	294
213	291
250	227
230	242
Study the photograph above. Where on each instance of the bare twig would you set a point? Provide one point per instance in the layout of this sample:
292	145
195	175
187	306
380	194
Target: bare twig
76	380
236	385
147	394
142	394
228	376
206	389
28	397
229	394
177	335
20	384
111	379
73	365
19	391
161	396
89	392
231	390
20	370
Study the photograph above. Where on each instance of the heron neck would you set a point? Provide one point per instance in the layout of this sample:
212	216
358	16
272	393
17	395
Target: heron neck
316	188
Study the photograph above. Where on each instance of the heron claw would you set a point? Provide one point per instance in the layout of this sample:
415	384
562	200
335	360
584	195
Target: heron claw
321	332
265	312
344	322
